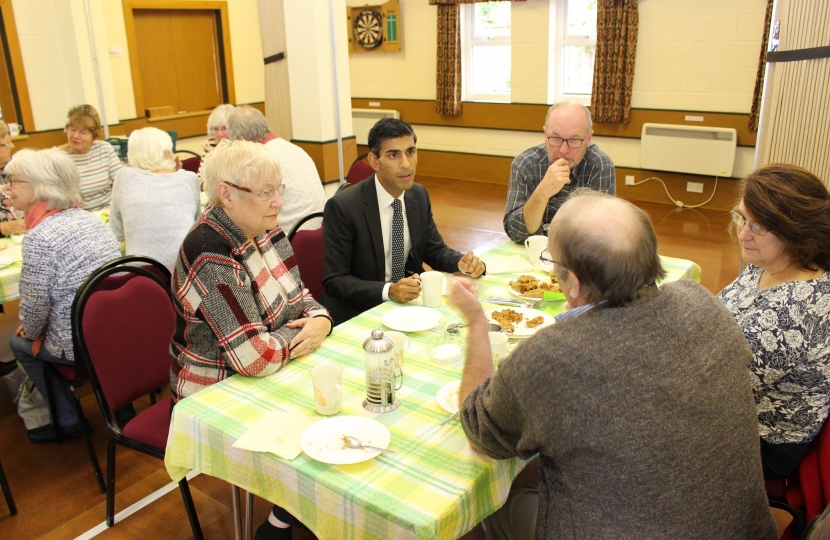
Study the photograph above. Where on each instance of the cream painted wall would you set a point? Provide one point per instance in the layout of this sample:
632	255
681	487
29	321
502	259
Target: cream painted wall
698	55
57	58
408	74
311	71
55	46
246	49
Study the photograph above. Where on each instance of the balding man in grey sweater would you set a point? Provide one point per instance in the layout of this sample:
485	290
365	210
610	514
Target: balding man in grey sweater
637	400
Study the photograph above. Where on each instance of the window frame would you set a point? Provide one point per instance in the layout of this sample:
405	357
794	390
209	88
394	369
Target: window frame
468	41
559	40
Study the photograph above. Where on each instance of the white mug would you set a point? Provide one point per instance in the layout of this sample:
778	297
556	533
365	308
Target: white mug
400	345
14	129
535	246
431	284
498	346
328	392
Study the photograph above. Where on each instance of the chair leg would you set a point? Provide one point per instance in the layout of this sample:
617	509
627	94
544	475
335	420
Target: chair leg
111	483
7	492
191	510
249	515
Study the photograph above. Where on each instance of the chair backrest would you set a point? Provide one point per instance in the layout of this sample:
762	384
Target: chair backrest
308	250
811	493
300	224
359	171
192	164
122	322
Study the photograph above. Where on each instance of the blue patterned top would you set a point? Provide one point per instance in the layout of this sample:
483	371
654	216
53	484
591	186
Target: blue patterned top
788	330
58	255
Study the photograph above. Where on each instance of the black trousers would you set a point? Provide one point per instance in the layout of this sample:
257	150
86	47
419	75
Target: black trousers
781	459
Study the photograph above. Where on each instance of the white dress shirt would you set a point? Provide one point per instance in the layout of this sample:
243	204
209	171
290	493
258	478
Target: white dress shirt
386	214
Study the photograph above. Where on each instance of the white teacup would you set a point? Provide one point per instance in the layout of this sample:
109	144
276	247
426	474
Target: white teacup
498	346
431	285
400	345
14	129
328	391
535	246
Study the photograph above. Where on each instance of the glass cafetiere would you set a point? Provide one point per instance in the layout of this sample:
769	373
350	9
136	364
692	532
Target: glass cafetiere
382	373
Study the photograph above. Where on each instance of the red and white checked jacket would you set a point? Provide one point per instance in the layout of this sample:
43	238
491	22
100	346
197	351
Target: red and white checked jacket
230	315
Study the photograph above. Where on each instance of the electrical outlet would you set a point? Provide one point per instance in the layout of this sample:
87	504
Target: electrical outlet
694	187
629	180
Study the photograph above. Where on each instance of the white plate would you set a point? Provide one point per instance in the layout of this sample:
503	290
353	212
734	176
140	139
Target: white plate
323	441
412	319
447	397
519	329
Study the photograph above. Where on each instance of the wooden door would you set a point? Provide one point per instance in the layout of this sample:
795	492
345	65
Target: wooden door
179	59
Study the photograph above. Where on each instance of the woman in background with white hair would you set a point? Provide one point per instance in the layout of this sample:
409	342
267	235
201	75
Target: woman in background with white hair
217	126
153	205
62	247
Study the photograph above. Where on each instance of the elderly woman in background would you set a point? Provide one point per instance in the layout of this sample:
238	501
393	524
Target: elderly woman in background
782	301
11	220
153	205
217	126
241	306
62	247
96	160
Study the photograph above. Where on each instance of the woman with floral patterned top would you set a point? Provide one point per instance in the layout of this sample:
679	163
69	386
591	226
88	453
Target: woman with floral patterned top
11	220
782	301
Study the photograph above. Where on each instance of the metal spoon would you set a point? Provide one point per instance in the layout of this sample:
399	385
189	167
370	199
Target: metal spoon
354	442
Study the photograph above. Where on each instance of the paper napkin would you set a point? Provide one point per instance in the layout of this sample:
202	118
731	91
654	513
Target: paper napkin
278	432
513	264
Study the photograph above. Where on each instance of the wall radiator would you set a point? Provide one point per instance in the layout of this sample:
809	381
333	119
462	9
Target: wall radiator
795	113
707	151
364	119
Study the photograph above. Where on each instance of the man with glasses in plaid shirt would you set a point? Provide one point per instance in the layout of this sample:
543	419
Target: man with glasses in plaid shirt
541	177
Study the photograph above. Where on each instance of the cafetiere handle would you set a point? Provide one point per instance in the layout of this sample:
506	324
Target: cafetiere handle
395	375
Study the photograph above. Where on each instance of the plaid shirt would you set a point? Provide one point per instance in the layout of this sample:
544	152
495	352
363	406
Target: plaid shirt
595	171
230	310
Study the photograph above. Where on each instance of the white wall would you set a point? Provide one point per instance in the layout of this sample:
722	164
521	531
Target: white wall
57	58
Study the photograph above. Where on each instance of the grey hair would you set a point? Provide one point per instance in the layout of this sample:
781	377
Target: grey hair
237	162
588	119
51	174
151	149
247	124
218	117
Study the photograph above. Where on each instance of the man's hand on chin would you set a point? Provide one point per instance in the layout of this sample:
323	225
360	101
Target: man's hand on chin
405	289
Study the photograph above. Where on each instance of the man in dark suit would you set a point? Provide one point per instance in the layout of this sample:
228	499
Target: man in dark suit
378	234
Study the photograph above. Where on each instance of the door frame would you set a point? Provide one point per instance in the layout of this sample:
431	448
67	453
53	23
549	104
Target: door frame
17	78
220	9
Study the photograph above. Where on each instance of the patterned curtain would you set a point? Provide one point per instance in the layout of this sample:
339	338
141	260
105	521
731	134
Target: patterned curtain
617	25
759	75
448	73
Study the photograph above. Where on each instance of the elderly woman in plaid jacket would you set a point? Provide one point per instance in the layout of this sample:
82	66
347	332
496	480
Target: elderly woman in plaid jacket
241	306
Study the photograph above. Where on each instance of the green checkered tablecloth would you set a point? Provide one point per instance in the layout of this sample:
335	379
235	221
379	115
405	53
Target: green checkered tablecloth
434	487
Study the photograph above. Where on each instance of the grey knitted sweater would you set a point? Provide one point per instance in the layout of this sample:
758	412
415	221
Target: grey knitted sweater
643	419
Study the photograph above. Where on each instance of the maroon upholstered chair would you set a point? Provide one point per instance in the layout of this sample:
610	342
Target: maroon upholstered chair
72	377
122	324
192	163
308	250
359	171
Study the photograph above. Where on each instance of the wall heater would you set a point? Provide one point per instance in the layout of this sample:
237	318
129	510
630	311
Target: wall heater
364	119
707	151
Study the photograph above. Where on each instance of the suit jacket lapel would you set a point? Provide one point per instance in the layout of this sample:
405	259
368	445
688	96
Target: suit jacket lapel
372	214
416	229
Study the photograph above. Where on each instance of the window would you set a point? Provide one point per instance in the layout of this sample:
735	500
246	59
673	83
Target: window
485	36
574	29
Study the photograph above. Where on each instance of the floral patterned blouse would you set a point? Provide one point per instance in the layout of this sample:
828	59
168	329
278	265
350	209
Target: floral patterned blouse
788	330
7	213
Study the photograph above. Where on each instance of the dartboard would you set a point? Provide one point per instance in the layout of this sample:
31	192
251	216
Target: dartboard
368	29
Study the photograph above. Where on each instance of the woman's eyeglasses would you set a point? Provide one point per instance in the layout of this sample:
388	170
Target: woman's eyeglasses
264	195
739	220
